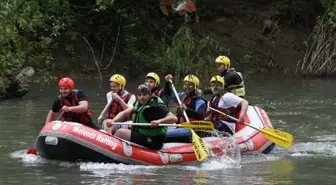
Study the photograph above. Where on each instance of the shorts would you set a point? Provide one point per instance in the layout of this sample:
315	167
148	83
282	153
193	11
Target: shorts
178	135
151	142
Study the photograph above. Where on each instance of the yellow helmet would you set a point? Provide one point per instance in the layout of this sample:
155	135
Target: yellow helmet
218	78
223	60
119	79
155	77
193	79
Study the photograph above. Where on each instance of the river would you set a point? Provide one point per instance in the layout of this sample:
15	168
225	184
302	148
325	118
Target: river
303	107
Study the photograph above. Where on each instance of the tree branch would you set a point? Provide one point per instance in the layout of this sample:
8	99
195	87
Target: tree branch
95	60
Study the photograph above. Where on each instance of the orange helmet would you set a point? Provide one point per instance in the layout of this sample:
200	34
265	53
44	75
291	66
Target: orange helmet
66	82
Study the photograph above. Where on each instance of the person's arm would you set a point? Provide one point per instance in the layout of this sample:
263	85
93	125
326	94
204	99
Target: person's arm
169	118
208	112
121	116
229	100
117	98
243	110
54	110
166	90
109	97
131	100
50	117
159	114
82	106
103	113
200	108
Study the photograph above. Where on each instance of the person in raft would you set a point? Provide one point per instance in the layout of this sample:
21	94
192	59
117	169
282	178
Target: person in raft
192	103
72	104
152	80
117	94
227	103
146	109
234	81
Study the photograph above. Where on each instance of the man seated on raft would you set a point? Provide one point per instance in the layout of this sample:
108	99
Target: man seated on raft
192	103
113	107
146	109
227	103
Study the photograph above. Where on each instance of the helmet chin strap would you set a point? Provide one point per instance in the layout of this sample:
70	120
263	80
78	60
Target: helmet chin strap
121	89
119	92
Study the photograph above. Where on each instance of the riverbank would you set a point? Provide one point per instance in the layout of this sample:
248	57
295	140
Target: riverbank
258	36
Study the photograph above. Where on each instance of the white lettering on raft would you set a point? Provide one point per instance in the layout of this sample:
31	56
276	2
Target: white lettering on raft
83	132
107	141
99	138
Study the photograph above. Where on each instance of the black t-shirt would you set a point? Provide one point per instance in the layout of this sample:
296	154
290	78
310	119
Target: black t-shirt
57	103
231	77
155	113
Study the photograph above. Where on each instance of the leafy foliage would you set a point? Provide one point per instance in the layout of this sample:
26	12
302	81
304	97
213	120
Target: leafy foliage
320	57
29	31
33	32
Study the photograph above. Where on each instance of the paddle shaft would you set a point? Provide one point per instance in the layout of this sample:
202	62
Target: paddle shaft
233	118
106	108
60	115
146	124
200	148
179	101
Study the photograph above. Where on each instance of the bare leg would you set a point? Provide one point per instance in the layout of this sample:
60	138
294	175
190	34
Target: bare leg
123	134
109	129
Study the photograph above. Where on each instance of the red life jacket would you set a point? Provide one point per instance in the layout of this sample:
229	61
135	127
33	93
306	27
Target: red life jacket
189	102
115	107
83	118
157	92
233	111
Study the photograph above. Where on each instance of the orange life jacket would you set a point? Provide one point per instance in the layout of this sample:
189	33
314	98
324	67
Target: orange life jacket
115	107
157	92
189	102
233	111
83	118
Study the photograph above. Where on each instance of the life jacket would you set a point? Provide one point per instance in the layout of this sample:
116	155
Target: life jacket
233	111
138	117
237	89
83	118
115	107
189	102
158	91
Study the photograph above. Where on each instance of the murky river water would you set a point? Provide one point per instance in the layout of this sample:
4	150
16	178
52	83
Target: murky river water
304	108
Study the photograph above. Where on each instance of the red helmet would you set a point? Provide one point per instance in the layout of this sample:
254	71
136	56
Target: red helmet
66	82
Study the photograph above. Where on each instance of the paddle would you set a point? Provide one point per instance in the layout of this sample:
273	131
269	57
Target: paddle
205	126
278	137
200	149
33	150
103	113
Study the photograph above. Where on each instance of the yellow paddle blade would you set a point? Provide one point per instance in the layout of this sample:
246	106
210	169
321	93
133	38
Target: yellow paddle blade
278	137
200	149
205	126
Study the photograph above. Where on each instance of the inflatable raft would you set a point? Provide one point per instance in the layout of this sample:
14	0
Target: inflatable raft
249	139
72	141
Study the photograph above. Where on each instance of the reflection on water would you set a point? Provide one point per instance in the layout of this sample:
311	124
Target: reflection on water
304	108
279	172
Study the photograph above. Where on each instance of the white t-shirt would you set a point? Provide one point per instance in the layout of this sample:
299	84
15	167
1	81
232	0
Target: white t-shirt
130	101
229	100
